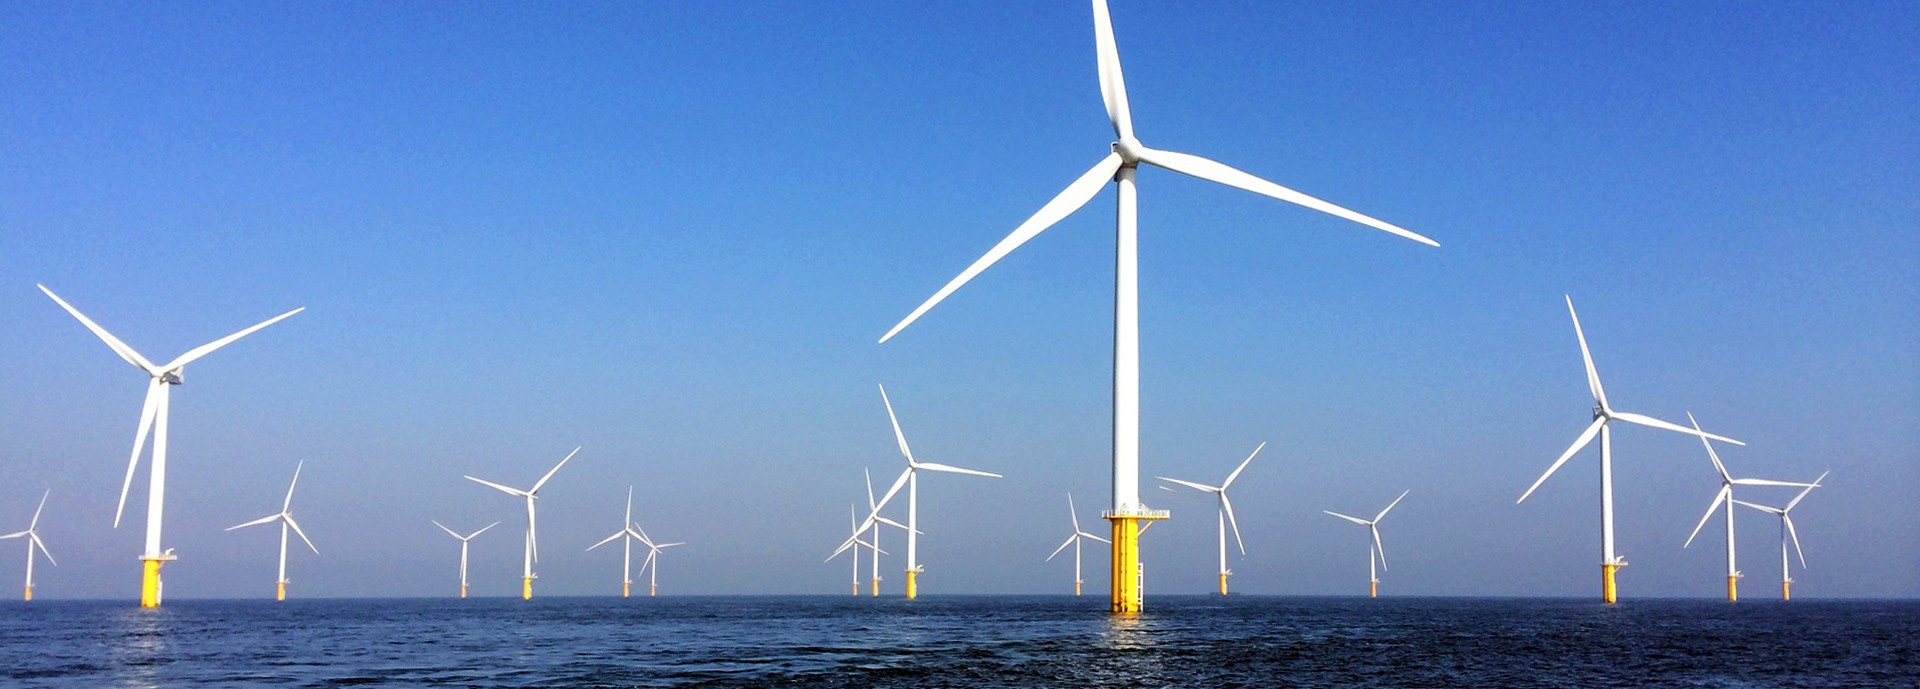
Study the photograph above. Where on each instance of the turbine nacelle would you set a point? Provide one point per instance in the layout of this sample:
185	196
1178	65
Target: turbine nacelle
177	376
1129	151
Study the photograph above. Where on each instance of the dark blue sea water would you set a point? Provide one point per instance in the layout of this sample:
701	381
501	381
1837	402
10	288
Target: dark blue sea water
961	641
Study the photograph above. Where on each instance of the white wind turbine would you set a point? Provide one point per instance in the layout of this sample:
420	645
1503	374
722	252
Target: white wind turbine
1225	516
652	565
463	550
32	534
1120	165
1074	541
1375	548
878	519
853	523
531	553
1603	413
1725	495
911	479
153	417
626	571
285	517
1786	531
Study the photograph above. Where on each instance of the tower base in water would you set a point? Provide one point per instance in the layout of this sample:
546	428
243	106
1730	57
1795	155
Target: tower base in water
913	584
526	588
876	587
29	593
280	591
626	587
653	590
1373	589
1126	578
1223	582
463	590
150	579
1609	594
1733	588
1786	590
1076	588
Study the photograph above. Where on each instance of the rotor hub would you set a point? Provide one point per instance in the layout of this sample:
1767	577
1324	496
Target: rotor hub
1129	150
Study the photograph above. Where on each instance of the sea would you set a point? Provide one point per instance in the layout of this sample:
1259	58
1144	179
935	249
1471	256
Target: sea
961	641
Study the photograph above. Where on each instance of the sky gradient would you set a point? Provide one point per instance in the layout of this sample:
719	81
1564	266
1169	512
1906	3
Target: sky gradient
671	234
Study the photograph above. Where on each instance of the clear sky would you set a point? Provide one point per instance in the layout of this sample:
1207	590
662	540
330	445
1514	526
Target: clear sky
672	232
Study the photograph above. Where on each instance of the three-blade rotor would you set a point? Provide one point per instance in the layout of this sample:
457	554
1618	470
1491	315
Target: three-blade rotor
285	515
1226	504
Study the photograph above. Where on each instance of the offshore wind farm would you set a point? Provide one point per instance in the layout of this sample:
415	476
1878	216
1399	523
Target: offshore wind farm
694	242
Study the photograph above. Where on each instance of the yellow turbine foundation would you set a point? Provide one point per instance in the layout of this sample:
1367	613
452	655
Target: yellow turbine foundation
526	588
1223	583
876	588
1125	576
150	581
29	593
1373	589
1786	590
1076	588
1733	588
856	589
463	590
653	590
280	591
913	584
1608	593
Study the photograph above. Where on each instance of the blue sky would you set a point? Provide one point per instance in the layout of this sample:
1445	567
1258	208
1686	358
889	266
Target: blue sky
671	233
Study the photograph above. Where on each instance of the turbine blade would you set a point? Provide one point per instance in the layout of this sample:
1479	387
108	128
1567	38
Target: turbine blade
36	511
1113	86
1084	534
1586	436
16	534
496	486
1715	456
1593	375
263	520
1396	501
482	530
1189	484
1644	420
113	343
1378	546
1796	539
205	349
869	476
1350	518
1768	482
1228	505
892	523
1213	171
607	540
898	436
1762	508
930	466
443	527
1718	498
1803	492
1063	546
1069	200
1242	467
288	503
303	534
43	547
147	411
554	470
1071	513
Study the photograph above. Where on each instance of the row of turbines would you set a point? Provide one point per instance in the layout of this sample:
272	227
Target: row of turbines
1128	514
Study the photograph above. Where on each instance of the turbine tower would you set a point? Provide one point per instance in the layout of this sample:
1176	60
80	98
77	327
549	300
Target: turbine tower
1604	413
626	571
910	478
531	552
1375	548
1120	166
32	534
1786	530
463	550
652	564
853	523
1225	517
1074	541
153	417
285	517
1727	482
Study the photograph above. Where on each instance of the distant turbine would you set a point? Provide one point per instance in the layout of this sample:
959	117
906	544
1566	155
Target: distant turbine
1375	548
1119	166
153	416
1786	530
911	479
652	565
878	520
530	553
1074	541
853	522
1225	517
463	550
1725	495
285	517
1602	414
32	534
626	571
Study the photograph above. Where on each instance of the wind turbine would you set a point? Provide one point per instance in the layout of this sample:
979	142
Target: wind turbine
878	519
531	553
463	550
153	417
853	522
1786	530
652	565
32	534
1120	165
911	479
1074	541
1727	482
1604	413
1375	548
285	517
626	571
1225	516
